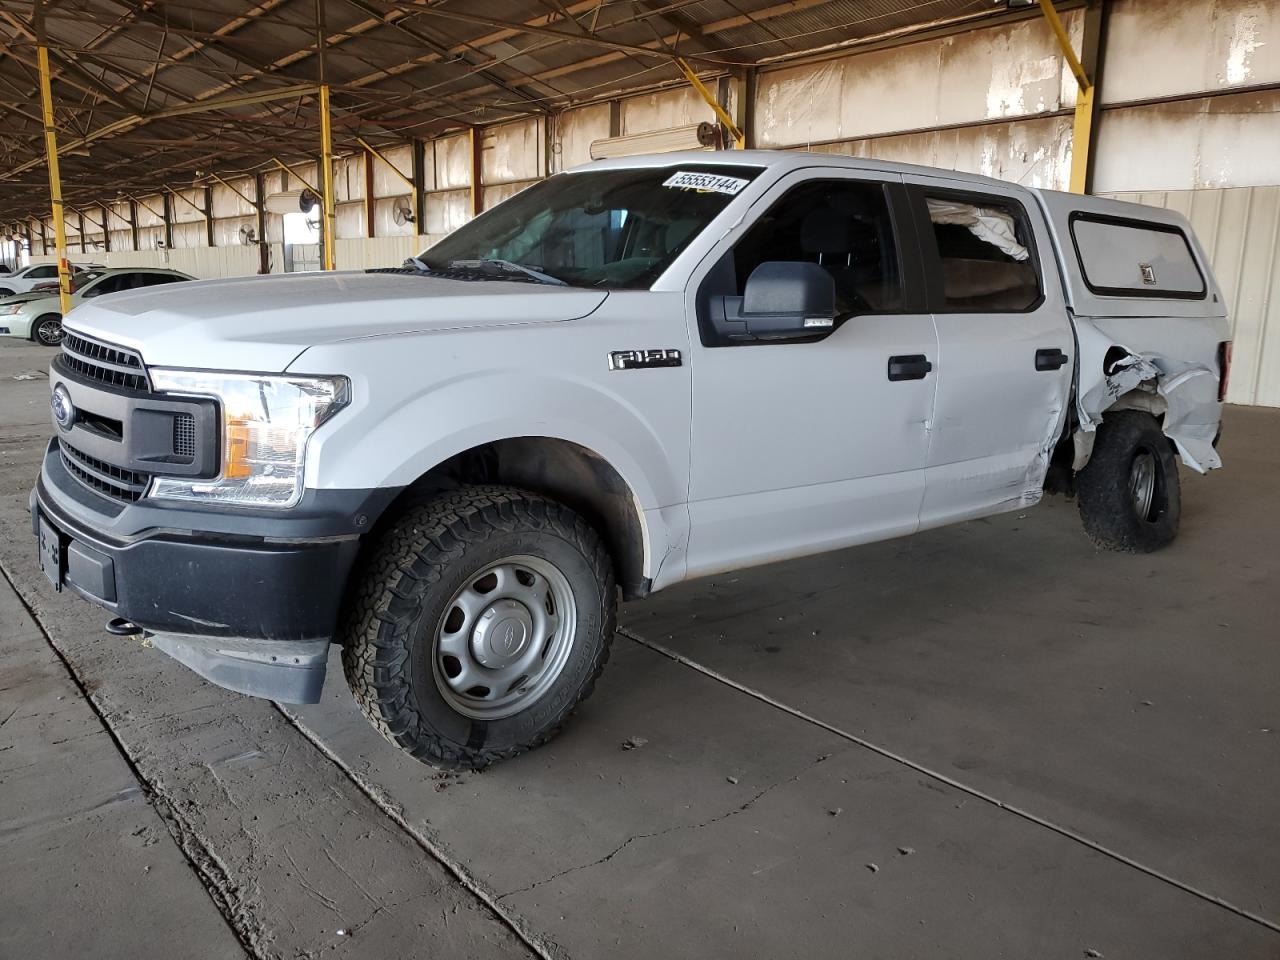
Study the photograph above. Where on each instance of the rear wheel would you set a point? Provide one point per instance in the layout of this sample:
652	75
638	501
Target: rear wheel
1129	494
47	330
478	622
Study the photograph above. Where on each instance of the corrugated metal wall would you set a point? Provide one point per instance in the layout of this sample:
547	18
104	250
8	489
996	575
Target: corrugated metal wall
1240	231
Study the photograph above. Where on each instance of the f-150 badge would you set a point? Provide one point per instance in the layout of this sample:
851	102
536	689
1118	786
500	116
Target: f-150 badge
643	359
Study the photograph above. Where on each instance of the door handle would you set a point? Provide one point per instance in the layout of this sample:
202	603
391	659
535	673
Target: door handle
1051	358
913	366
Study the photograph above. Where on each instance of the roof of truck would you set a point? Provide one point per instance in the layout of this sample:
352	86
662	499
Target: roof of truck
781	160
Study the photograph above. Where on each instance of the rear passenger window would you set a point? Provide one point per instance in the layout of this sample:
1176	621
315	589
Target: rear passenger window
985	254
1133	258
842	225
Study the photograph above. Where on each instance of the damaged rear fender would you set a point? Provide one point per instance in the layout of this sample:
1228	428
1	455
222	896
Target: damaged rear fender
1182	394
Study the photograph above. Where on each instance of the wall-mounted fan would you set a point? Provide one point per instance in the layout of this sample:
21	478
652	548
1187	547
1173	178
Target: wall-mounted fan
248	235
402	215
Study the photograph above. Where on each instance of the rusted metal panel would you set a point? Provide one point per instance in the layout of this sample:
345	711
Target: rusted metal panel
1240	231
1157	48
1226	141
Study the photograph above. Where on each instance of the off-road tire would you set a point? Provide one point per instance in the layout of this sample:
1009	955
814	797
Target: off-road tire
407	578
1107	507
38	335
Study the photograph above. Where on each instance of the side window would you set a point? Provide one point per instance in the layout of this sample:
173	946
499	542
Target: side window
843	225
43	272
108	285
985	254
155	279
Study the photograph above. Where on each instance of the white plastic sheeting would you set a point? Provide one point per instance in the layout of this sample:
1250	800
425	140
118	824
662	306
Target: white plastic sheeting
348	178
385	221
447	211
575	129
385	181
228	203
512	152
452	162
677	107
1014	71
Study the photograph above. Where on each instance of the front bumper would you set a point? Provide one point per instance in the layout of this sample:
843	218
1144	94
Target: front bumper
248	600
15	325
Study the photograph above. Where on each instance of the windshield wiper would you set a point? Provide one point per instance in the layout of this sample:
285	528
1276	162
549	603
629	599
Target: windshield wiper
510	267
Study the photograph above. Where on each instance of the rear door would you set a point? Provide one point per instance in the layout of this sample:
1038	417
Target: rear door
1004	347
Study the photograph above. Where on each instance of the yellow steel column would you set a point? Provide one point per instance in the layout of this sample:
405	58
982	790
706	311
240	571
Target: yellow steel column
55	179
326	161
739	138
1082	127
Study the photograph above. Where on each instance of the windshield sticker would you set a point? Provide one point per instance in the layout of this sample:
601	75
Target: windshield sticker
705	182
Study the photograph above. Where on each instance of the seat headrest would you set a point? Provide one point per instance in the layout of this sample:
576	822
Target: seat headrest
826	231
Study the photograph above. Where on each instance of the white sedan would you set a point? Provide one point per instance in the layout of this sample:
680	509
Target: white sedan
23	280
38	315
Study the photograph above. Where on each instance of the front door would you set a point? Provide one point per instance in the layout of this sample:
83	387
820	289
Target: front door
1004	347
798	447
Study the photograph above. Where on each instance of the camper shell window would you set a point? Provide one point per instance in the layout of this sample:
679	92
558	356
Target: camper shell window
1120	257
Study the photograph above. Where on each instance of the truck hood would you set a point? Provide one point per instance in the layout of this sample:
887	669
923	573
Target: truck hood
264	323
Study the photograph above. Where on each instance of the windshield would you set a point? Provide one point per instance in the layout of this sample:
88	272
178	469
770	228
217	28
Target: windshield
607	228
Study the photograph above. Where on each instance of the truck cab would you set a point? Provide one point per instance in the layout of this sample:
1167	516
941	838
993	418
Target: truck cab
631	374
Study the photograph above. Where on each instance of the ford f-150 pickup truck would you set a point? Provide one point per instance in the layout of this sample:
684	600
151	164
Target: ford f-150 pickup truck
633	373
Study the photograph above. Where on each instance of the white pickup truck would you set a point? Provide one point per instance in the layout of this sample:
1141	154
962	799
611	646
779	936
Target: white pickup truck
634	373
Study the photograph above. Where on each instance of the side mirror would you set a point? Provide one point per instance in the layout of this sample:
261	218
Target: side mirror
782	300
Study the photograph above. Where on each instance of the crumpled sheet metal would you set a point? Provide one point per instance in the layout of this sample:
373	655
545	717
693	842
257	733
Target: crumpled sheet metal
1190	395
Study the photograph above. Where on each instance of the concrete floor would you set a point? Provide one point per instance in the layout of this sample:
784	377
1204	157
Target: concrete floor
985	741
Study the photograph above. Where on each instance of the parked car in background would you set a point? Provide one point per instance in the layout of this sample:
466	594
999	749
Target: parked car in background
25	279
37	315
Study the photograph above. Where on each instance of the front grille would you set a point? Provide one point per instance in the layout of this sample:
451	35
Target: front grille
126	486
103	362
184	435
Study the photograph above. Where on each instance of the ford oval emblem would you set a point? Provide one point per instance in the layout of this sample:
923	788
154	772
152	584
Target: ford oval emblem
64	411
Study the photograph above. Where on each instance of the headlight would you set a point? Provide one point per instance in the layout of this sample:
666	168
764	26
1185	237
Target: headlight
9	309
266	422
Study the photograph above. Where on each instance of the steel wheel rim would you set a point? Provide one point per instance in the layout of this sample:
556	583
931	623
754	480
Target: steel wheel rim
504	638
1142	483
49	331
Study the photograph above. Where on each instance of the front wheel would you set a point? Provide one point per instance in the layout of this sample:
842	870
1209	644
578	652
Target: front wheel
47	330
1130	499
477	623
5	292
